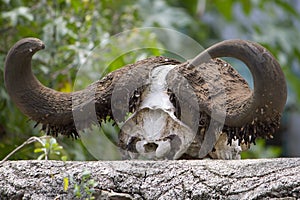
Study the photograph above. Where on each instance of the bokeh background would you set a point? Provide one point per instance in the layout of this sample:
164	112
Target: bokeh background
71	29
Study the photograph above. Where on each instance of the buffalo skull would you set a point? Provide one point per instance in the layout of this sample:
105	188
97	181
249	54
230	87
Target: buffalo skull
196	109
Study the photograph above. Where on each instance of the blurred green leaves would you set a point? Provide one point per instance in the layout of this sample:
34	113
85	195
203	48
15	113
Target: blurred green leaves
260	150
48	148
14	15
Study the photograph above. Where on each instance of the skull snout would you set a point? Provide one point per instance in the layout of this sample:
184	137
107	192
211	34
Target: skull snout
156	149
150	147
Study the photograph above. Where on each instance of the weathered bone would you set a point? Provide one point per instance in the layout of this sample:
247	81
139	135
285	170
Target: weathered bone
154	123
248	114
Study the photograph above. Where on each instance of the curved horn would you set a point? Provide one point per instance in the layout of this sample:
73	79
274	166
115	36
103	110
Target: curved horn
270	93
51	108
57	110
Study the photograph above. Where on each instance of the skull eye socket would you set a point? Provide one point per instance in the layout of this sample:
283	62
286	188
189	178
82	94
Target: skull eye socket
150	147
131	145
173	99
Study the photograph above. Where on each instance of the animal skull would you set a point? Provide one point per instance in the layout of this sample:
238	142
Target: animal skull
168	121
153	131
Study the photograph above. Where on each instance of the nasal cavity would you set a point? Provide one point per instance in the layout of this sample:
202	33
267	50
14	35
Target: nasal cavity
150	147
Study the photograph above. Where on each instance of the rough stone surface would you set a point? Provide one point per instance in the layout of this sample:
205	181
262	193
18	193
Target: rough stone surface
184	179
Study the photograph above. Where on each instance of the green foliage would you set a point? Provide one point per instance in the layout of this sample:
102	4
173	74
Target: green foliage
66	183
50	149
71	29
260	150
86	186
83	188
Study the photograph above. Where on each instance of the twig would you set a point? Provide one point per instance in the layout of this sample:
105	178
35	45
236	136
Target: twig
28	141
